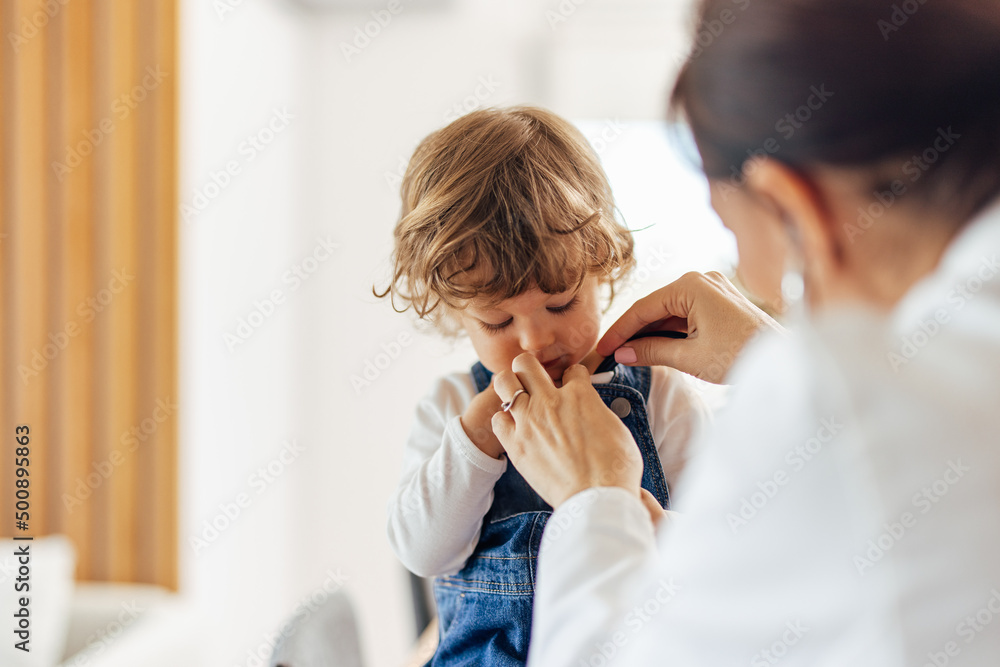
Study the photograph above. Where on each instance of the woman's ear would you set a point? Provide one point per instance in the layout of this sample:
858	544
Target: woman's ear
798	200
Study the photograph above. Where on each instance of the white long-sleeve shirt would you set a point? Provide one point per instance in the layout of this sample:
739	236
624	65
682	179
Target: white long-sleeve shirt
446	485
843	509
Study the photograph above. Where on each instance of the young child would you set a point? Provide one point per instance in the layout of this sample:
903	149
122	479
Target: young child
508	234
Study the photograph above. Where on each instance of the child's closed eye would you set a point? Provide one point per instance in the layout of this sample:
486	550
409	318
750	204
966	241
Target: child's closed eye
556	310
493	328
566	307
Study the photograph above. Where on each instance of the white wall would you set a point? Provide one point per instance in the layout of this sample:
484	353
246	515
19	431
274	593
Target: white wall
330	173
237	406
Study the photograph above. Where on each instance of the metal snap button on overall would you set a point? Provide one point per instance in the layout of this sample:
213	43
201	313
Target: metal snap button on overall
621	407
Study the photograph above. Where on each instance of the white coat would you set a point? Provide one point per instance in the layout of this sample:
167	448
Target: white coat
844	509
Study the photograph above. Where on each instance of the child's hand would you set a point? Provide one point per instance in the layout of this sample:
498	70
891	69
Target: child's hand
478	422
656	513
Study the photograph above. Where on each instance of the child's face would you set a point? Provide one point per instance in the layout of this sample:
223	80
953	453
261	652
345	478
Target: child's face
558	329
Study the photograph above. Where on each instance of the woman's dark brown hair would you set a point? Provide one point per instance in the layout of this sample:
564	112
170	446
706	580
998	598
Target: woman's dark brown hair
851	83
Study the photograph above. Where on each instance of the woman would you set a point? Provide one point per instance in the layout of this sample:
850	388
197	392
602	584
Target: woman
843	509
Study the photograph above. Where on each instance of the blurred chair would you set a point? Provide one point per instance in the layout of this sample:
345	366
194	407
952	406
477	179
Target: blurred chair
424	610
327	637
425	618
425	647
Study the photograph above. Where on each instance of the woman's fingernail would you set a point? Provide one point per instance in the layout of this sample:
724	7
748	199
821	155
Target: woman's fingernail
625	355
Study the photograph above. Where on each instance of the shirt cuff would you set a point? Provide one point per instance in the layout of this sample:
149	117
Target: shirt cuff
593	559
603	510
470	452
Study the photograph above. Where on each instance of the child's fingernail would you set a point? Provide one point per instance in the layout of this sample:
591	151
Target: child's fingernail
625	355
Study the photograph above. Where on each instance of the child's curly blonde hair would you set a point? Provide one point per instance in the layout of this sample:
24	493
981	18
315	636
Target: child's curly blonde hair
498	202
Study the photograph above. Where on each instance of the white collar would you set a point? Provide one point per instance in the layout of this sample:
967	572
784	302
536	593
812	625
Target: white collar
973	255
602	378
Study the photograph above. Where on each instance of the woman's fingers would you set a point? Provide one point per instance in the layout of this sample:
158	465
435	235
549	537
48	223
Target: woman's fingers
526	373
671	302
574	374
646	311
657	352
720	321
506	383
564	440
531	374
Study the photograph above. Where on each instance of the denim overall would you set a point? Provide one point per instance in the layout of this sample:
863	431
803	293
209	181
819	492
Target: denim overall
484	611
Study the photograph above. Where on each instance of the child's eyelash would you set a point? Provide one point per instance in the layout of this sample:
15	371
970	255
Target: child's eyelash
493	328
563	309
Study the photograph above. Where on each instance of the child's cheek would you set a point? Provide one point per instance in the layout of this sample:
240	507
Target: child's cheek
581	336
495	351
590	327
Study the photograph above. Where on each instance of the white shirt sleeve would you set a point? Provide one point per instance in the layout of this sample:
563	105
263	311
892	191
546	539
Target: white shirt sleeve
446	486
597	550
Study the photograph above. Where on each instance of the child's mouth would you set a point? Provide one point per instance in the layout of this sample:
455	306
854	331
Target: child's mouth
548	365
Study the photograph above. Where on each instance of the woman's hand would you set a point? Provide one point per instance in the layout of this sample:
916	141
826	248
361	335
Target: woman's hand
563	440
717	318
476	421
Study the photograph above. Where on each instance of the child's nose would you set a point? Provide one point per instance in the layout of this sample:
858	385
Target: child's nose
536	338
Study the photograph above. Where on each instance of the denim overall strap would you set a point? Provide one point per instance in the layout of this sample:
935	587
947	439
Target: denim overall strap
627	395
481	376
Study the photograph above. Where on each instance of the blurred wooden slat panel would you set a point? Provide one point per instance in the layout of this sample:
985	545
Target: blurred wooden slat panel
122	272
145	452
78	229
143	502
100	230
101	501
29	238
8	377
54	428
164	328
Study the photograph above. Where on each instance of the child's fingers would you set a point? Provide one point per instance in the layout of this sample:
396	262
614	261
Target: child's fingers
656	513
